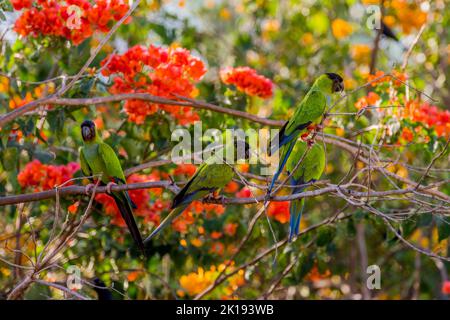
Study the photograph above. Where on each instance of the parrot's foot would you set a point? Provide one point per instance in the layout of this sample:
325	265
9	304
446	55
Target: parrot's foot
89	188
108	187
214	198
310	142
319	127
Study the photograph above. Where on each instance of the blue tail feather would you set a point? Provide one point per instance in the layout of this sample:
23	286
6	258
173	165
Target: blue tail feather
295	211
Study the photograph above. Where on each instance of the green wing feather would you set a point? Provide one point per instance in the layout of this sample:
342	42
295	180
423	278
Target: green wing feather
111	162
83	163
311	109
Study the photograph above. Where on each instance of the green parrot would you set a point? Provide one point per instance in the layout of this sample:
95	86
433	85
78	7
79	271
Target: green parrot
97	157
211	176
309	112
309	170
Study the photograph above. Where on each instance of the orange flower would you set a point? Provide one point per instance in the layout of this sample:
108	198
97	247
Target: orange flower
196	242
279	211
73	207
185	169
231	187
248	81
133	275
17	101
45	177
162	72
407	134
370	100
341	28
216	235
217	248
360	53
230	229
51	18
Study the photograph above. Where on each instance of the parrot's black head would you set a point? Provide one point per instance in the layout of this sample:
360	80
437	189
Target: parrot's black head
88	131
338	82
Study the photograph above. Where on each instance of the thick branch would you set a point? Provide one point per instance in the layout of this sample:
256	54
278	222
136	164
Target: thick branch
54	100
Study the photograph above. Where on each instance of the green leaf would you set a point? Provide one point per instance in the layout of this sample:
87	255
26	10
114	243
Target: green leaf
443	226
9	158
43	156
318	23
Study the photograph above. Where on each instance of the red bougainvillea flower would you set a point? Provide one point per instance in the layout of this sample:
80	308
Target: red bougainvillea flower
45	177
185	169
446	287
163	72
74	20
244	193
248	81
21	4
141	197
279	211
430	116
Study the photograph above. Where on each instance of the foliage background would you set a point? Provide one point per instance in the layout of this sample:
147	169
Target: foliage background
289	42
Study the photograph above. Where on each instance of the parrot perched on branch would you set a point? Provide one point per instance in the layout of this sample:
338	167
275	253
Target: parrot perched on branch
309	170
98	158
211	176
308	113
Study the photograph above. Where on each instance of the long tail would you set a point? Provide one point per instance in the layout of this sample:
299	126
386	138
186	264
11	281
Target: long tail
172	215
296	207
103	292
285	157
127	215
296	211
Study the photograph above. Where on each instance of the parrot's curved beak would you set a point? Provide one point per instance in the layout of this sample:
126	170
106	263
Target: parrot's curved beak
86	133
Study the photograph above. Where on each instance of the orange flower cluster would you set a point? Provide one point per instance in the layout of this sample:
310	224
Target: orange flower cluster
248	81
230	229
162	72
45	177
75	20
195	282
409	14
429	115
279	211
141	197
17	101
397	77
370	100
181	223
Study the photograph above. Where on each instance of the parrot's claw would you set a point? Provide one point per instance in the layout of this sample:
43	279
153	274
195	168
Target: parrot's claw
310	142
108	187
319	127
212	198
88	188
